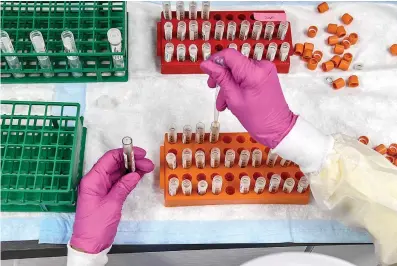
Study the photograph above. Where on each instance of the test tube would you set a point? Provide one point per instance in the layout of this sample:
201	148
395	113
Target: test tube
230	157
187	134
282	30
206	50
302	184
7	47
128	151
233	46
181	52
285	162
246	49
193	30
245	182
231	31
180	10
219	29
214	134
271	51
257	30
215	157
244	29
114	38
200	132
70	47
260	184
284	50
289	184
216	185
173	185
181	31
167	10
171	160
244	158
169	52
39	46
193	10
202	187
193	52
168	31
274	183
172	136
256	158
206	30
199	156
271	159
258	51
187	158
187	187
269	29
205	10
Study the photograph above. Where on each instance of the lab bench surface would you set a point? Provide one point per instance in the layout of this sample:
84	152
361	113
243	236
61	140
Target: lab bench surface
32	249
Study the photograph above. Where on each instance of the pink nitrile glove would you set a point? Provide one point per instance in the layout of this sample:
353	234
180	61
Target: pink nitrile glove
102	193
251	90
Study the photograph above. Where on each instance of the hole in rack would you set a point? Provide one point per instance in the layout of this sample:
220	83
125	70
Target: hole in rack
230	190
267	150
229	177
256	175
219	47
187	176
269	175
213	175
227	139
229	17
240	139
252	17
252	140
242	174
201	176
285	175
241	17
217	17
173	151
299	175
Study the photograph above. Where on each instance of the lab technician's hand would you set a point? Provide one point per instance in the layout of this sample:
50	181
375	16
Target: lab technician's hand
102	193
251	90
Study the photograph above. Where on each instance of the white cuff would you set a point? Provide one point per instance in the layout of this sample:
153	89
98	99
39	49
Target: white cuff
77	258
306	146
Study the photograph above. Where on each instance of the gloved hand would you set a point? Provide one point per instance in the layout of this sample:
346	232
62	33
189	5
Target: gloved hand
251	90
101	196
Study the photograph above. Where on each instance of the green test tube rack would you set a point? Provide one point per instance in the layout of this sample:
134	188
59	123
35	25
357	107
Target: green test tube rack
89	22
42	152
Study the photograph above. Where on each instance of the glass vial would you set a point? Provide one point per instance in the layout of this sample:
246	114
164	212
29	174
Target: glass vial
271	51
260	184
215	157
205	10
284	50
114	38
171	135
181	31
181	52
187	134
214	134
187	158
233	46
216	185
231	31
282	30
171	160
258	51
206	30
168	52
289	184
180	10
128	152
256	158
7	47
193	30
274	183
193	52
199	156
167	10
244	30
206	50
219	30
246	49
269	29
202	187
168	31
245	182
244	158
271	159
230	157
187	187
193	10
256	30
70	47
173	185
303	184
39	46
200	133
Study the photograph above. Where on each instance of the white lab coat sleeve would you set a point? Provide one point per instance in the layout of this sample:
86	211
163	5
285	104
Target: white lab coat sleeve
357	184
77	258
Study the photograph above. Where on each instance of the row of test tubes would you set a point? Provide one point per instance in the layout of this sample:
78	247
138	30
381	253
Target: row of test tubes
69	44
259	49
245	183
187	135
219	33
180	10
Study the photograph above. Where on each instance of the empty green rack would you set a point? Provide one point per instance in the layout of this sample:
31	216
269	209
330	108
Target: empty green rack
42	152
89	22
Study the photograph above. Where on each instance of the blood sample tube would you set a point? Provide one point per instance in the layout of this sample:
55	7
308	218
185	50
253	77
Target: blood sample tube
167	10
168	31
214	134
216	185
302	184
215	157
271	159
180	10
193	10
206	50
269	29
187	158
219	29
256	158
181	52
187	187
244	158
173	185
199	156
289	184
205	10
244	29
193	52
246	49
258	51
282	30
245	182
193	30
181	31
172	136
260	184
257	30
284	51
171	160
274	183
128	152
230	157
200	132
271	51
206	30
187	134
233	46
231	31
168	52
202	187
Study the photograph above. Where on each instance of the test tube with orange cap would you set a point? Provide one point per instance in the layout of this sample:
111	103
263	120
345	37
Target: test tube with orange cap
338	83
392	150
381	148
323	7
352	81
312	31
363	140
347	18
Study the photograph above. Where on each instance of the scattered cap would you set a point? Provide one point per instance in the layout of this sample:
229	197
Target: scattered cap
114	36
